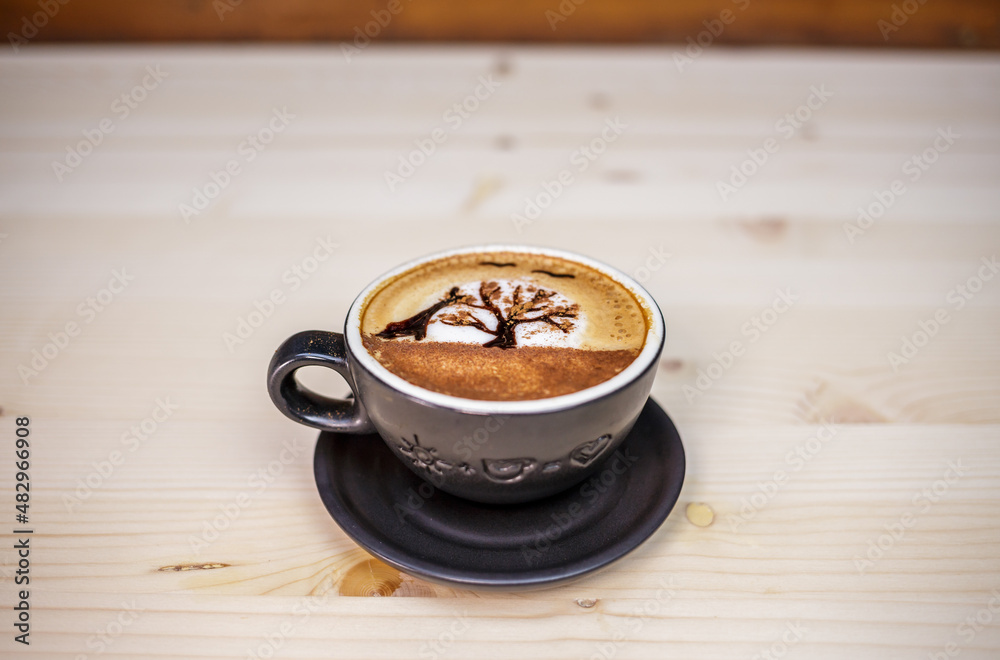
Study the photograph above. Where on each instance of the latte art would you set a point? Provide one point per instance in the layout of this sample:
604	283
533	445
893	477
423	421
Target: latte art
503	326
514	313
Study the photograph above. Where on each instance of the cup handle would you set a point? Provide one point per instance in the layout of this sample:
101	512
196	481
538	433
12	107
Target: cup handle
315	348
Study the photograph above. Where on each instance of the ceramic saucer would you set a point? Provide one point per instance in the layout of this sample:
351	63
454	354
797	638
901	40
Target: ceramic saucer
407	523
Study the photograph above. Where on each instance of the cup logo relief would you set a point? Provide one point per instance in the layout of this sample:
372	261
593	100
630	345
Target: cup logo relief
585	454
509	470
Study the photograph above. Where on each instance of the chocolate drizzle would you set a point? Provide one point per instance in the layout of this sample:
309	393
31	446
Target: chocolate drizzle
498	265
416	325
520	311
550	273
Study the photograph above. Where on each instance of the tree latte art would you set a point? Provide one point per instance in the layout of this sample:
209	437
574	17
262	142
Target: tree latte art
503	326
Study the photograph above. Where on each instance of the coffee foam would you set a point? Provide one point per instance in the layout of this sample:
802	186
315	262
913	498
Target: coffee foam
598	313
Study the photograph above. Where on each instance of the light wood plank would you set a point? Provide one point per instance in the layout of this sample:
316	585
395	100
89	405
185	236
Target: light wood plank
774	555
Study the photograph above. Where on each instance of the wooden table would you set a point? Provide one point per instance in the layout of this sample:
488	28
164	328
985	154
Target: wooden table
843	490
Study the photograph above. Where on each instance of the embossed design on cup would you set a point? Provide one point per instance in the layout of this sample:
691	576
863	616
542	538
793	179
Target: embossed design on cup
509	470
585	454
423	457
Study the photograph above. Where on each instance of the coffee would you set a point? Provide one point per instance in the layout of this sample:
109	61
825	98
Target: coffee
503	326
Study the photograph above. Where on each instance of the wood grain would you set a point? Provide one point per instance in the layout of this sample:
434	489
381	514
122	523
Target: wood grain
851	500
956	24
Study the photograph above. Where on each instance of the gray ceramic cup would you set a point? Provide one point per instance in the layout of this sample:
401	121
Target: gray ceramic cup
497	452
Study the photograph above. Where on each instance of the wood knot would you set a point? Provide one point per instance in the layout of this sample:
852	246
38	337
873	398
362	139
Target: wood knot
505	142
502	66
370	577
671	364
599	101
622	176
767	229
586	603
191	567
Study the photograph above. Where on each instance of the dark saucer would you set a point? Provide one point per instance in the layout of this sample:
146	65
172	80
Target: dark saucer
409	524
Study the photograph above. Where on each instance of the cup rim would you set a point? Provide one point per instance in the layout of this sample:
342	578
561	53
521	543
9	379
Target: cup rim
647	356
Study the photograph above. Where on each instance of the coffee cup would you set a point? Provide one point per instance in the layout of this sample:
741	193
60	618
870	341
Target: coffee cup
500	374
